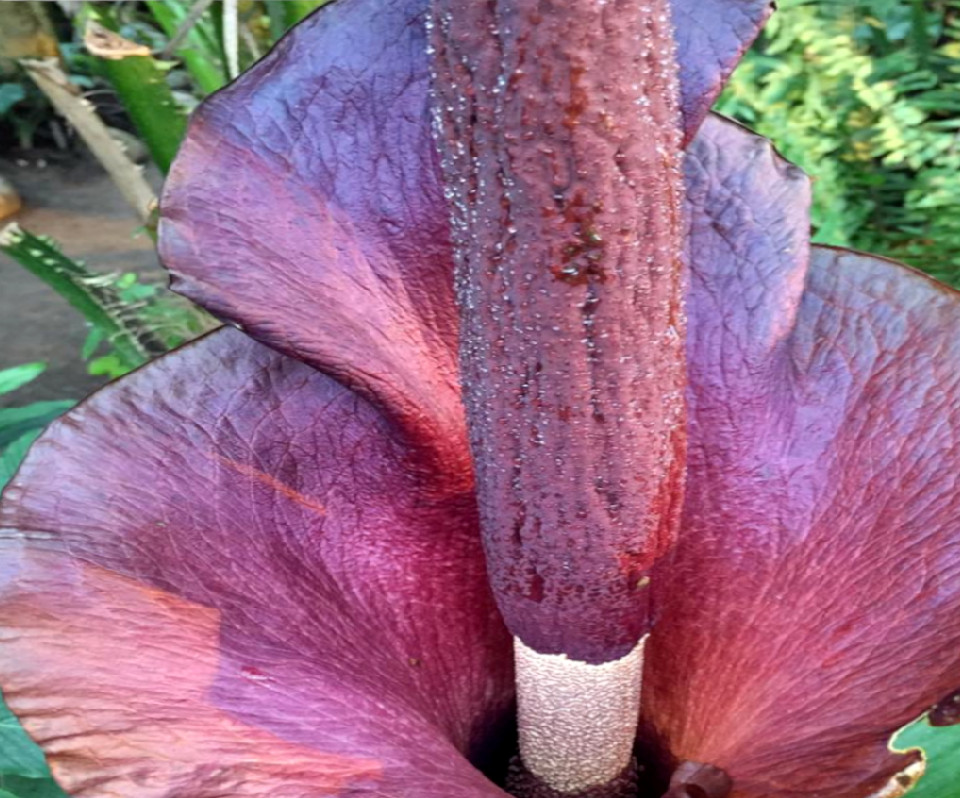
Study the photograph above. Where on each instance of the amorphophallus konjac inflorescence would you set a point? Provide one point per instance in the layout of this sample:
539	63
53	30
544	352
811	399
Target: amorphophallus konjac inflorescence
641	427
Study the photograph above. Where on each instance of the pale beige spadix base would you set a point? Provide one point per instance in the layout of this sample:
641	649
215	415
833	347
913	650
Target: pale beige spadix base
577	722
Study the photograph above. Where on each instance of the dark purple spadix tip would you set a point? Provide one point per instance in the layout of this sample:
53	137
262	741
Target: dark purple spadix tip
560	134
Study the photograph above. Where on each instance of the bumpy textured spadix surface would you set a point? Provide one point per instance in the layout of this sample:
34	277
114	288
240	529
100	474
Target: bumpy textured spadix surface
240	573
565	192
577	721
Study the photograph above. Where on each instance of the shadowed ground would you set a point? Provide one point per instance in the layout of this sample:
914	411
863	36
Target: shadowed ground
72	200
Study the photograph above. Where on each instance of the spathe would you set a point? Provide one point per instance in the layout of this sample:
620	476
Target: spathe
318	602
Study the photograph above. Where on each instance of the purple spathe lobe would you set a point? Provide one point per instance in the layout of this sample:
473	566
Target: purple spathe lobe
812	606
711	37
305	205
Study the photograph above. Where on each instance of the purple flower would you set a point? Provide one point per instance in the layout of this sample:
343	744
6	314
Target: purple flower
255	567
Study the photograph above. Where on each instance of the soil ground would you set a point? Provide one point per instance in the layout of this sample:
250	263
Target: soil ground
72	200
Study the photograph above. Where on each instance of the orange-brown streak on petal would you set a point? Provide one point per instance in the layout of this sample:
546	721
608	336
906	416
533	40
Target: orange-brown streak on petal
270	482
137	665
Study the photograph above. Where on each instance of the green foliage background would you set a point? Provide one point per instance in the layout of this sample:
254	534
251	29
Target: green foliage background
865	96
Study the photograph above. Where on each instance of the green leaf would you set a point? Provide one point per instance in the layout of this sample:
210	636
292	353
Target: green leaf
15	422
864	95
940	746
199	53
287	13
83	81
92	341
23	787
19	755
18	376
142	88
108	365
10	459
23	768
93	295
140	83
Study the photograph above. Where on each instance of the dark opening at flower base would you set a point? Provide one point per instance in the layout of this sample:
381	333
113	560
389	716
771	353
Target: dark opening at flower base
521	783
649	773
687	780
695	780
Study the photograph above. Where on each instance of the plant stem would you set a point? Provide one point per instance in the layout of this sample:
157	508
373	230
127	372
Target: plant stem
88	293
52	81
230	38
141	85
187	42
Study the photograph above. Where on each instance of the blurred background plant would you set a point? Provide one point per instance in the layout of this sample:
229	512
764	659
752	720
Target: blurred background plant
186	51
863	94
120	78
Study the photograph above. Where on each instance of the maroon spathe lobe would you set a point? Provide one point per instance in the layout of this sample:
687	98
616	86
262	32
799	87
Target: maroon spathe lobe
228	575
810	606
560	134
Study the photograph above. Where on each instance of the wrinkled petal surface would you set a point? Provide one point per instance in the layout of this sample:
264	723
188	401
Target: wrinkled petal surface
711	36
305	205
225	575
812	606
